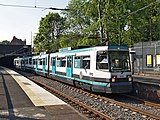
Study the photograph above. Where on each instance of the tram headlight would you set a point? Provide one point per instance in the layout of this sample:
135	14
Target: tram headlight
129	78
114	78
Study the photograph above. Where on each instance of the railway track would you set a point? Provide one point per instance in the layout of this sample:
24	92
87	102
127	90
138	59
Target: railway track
143	102
100	106
73	102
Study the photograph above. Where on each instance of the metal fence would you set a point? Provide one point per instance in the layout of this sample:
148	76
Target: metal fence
147	57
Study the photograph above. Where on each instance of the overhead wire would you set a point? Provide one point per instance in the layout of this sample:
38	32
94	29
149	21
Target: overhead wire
32	7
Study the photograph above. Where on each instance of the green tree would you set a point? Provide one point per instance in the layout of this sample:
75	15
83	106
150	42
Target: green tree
132	21
50	29
87	21
80	23
144	20
5	42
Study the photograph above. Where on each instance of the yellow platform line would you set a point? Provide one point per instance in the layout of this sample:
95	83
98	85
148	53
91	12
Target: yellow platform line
32	96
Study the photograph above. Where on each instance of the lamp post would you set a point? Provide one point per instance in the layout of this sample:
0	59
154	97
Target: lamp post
142	55
155	52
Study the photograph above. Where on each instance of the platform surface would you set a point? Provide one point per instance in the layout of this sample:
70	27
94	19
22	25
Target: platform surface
38	95
22	99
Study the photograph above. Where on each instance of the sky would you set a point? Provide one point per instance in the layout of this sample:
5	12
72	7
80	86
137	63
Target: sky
24	22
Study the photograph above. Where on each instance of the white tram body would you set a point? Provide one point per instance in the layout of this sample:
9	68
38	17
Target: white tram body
103	69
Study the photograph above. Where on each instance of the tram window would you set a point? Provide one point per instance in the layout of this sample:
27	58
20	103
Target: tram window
69	62
86	62
102	60
26	61
58	62
30	61
40	61
34	61
44	61
77	62
119	61
53	62
63	62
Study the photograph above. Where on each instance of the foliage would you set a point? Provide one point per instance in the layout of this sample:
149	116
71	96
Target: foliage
86	22
5	42
50	29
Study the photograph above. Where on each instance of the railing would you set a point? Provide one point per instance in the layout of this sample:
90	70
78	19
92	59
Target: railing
152	70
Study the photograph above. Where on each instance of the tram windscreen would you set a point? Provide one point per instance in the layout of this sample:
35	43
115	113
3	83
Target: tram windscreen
102	61
119	61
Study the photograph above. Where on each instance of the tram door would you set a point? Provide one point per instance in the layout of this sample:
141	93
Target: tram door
69	67
54	65
43	64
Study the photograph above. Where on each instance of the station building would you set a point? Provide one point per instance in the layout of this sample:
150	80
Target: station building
16	48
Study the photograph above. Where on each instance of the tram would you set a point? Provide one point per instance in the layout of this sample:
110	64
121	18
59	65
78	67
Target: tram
103	69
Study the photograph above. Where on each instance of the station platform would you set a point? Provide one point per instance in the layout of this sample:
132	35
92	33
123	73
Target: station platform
147	78
22	99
